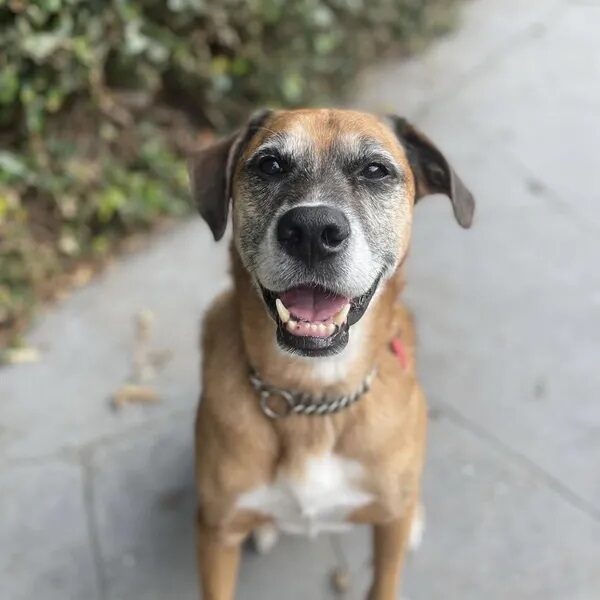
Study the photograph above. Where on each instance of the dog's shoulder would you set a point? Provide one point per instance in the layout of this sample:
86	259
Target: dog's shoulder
219	320
227	397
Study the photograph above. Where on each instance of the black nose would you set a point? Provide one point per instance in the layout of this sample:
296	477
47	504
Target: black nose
313	233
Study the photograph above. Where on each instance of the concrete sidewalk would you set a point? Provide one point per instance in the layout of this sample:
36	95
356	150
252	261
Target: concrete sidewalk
97	504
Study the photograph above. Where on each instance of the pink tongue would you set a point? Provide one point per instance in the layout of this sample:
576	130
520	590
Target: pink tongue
312	304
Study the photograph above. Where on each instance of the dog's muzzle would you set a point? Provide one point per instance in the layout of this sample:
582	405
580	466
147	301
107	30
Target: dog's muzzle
313	315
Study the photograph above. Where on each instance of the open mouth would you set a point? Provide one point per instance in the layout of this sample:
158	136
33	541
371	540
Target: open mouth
314	321
307	311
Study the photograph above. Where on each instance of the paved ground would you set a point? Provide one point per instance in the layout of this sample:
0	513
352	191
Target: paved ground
97	504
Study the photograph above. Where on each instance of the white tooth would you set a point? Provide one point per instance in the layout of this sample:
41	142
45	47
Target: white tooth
291	325
322	328
342	315
282	311
330	329
314	327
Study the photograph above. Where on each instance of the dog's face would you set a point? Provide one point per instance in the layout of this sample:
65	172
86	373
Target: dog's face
322	212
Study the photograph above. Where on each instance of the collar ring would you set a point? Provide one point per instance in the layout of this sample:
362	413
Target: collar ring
284	400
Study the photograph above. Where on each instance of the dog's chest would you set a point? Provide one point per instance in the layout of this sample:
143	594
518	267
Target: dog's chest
320	499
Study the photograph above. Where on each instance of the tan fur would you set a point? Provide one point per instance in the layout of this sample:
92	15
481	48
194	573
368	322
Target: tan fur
238	448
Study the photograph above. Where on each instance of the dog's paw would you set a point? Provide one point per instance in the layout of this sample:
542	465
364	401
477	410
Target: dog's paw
265	537
417	528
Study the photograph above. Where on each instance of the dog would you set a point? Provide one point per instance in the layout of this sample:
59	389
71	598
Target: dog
311	417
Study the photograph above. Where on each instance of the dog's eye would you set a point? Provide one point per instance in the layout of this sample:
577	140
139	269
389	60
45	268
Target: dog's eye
270	165
374	171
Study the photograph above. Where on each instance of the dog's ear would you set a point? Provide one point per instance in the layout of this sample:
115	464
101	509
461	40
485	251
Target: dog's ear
433	174
211	171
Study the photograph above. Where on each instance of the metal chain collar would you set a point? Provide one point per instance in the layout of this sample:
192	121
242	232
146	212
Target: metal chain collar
302	403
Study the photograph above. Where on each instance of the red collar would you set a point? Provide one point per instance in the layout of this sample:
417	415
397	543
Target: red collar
399	350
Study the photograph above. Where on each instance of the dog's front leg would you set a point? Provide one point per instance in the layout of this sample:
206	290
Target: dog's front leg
217	563
390	542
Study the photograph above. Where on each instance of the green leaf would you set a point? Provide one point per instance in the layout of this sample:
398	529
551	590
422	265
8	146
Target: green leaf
109	202
9	84
41	45
12	166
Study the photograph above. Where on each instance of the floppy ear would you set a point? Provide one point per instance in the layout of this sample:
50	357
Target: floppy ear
433	174
211	171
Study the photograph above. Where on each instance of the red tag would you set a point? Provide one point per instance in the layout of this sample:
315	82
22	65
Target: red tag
400	351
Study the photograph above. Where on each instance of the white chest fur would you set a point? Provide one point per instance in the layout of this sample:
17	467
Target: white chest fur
318	500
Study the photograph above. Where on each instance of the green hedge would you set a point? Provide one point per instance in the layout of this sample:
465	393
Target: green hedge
100	99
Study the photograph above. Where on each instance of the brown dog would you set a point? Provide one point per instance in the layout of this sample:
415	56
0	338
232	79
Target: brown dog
311	417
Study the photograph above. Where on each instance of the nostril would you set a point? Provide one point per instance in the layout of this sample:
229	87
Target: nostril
333	235
290	234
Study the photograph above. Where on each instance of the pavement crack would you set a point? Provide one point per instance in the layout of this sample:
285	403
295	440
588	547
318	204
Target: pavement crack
92	525
61	455
552	482
550	195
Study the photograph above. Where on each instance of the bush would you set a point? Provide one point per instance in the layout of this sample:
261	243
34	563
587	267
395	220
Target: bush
98	99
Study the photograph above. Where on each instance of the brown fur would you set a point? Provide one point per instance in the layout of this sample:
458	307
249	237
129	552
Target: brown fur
238	448
324	125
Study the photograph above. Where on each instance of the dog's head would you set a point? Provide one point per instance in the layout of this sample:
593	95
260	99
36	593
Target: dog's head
322	204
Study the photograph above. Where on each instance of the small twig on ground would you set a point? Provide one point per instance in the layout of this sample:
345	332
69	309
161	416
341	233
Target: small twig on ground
146	363
340	580
130	393
20	356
